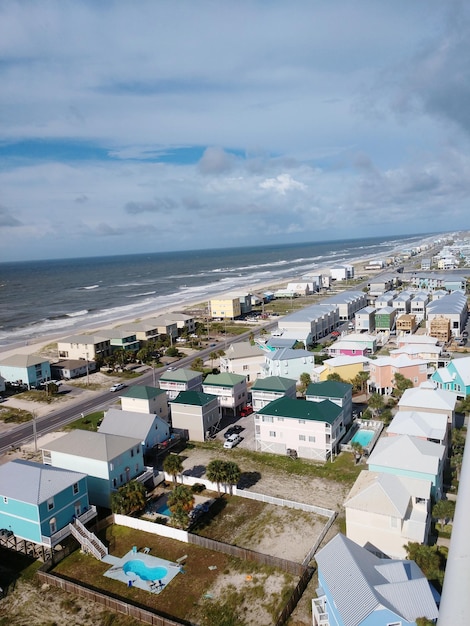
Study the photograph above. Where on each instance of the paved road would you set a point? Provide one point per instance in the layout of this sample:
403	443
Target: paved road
102	400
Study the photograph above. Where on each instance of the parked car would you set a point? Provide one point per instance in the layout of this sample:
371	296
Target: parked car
117	387
233	430
232	441
335	333
246	410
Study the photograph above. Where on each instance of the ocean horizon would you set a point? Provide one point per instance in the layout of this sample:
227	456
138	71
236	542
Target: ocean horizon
65	296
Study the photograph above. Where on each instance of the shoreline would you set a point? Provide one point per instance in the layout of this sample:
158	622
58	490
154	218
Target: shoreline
34	346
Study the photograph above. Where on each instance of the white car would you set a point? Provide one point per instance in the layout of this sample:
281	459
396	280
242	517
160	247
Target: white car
117	387
232	441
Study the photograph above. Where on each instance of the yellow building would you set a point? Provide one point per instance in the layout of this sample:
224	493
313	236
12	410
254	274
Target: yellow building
225	307
347	367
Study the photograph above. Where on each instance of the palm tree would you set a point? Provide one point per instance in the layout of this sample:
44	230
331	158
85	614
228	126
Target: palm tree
231	474
181	496
212	356
216	472
173	464
128	498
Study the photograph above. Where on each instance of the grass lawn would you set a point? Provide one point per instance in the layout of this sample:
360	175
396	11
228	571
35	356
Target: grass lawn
88	422
14	416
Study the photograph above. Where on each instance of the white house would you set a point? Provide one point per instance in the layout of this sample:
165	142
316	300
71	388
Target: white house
244	359
311	429
145	399
86	347
428	397
195	414
422	424
231	390
176	381
147	427
384	512
265	390
288	363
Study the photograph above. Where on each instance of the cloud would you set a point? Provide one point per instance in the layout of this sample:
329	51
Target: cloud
158	205
216	161
7	219
282	184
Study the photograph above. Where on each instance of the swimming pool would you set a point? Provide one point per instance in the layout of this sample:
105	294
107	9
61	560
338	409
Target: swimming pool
363	437
143	571
163	510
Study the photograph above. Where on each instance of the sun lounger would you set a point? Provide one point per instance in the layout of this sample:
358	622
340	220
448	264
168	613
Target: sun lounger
182	559
146	550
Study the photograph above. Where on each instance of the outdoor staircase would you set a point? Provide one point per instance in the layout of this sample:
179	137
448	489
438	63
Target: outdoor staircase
89	541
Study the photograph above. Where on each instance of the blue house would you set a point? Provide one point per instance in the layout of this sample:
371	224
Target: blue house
454	377
110	461
37	502
26	369
357	588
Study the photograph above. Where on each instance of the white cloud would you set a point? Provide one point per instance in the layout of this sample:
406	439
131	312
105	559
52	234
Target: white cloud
282	184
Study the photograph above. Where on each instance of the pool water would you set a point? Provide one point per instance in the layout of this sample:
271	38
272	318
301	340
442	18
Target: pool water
144	572
363	437
163	510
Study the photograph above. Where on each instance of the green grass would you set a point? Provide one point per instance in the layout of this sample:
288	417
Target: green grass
87	422
15	416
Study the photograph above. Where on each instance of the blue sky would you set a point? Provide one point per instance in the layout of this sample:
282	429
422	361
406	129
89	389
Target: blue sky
162	125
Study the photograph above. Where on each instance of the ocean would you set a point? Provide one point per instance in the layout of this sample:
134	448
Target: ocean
63	297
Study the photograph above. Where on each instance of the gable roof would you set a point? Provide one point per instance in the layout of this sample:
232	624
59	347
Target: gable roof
243	350
419	424
142	392
34	483
288	354
407	453
92	445
273	383
195	398
325	411
351	572
428	395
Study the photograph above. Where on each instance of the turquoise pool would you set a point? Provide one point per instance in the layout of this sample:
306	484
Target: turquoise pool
163	510
363	437
143	571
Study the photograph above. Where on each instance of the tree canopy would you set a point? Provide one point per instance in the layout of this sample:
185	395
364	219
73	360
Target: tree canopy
128	498
173	464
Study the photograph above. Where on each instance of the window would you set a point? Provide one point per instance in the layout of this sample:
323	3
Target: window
301	421
280	419
311	438
136	467
301	437
121	478
50	504
75	489
114	483
268	419
272	433
132	452
245	368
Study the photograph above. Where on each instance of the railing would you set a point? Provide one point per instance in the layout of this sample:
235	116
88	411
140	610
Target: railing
57	537
88	540
320	616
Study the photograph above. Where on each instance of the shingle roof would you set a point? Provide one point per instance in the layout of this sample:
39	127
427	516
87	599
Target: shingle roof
273	383
34	483
23	360
419	424
128	423
195	398
428	395
92	445
325	411
351	572
142	392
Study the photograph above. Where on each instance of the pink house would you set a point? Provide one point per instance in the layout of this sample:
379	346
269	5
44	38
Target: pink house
348	348
382	372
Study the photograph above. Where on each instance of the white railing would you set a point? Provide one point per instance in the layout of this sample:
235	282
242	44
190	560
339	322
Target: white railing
88	540
55	538
320	616
87	515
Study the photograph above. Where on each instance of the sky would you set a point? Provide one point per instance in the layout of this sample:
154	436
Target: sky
158	125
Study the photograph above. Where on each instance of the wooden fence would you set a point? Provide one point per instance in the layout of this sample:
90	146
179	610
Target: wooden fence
295	597
114	604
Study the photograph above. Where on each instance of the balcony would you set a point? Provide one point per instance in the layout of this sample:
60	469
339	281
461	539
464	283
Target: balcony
319	612
57	537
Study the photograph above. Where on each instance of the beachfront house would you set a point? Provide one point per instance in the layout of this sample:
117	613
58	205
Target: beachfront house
110	461
265	390
195	415
174	382
37	502
382	372
145	330
25	369
391	592
308	325
431	398
311	430
165	326
454	377
85	347
347	368
145	399
227	306
244	359
149	428
410	456
66	369
337	392
384	512
121	339
185	323
288	363
231	390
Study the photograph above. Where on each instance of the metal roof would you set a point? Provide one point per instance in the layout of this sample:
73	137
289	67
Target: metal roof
34	483
273	383
92	445
142	392
128	423
225	379
419	424
195	398
325	411
361	583
180	375
407	453
329	389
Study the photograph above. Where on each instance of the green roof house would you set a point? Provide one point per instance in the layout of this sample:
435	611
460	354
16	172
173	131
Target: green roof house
175	381
311	430
145	399
338	392
231	389
195	414
265	390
